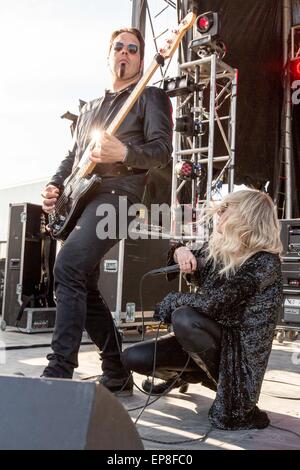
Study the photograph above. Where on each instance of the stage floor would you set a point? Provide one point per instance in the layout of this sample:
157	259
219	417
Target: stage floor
181	417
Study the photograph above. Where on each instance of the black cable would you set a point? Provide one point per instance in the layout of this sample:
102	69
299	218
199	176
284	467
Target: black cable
34	346
157	397
153	272
117	338
283	429
276	396
281	397
172	443
141	304
148	402
279	382
153	372
164	393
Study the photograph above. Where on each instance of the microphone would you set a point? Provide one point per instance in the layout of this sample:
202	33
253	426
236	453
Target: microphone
175	268
165	270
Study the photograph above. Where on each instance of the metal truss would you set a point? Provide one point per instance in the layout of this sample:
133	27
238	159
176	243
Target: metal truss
211	105
143	12
291	49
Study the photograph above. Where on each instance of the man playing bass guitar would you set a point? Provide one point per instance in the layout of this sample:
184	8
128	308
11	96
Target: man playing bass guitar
143	141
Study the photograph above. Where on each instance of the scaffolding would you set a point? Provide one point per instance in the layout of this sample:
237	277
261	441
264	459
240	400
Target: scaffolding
212	107
284	191
287	22
208	103
291	52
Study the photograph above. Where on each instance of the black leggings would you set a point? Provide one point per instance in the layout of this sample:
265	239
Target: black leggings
196	342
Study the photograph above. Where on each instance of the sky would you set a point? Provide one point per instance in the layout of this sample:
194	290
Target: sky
53	53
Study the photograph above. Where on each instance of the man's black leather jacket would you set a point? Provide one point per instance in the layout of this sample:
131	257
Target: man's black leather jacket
147	132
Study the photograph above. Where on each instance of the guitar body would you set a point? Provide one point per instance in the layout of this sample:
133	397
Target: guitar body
62	221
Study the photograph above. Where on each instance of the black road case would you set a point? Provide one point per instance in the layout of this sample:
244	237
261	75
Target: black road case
28	282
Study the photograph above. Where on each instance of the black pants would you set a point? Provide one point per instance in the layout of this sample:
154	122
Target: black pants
196	342
79	303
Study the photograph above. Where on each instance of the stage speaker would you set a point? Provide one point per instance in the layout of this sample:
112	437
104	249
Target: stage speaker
56	414
139	257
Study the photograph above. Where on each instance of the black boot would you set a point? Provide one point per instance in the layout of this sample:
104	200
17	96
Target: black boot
121	386
58	367
207	365
165	386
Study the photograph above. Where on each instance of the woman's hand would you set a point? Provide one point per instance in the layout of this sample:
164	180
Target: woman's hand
186	260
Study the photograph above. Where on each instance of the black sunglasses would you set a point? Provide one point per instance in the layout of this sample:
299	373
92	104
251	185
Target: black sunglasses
131	48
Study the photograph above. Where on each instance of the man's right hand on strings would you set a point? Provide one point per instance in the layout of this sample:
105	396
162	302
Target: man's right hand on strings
186	260
109	149
50	195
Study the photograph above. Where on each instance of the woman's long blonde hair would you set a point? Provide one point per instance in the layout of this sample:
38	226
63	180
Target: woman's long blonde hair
252	226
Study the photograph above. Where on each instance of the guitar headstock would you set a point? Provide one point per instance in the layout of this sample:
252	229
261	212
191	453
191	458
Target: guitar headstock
174	40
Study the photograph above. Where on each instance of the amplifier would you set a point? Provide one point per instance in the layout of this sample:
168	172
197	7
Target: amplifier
290	237
37	320
291	277
122	269
291	307
289	315
290	268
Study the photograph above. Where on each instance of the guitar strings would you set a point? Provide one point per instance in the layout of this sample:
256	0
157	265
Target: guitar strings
63	199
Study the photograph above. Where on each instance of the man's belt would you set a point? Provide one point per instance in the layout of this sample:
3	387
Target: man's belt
113	171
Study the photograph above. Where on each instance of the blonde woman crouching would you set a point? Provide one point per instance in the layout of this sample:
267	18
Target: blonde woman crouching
222	335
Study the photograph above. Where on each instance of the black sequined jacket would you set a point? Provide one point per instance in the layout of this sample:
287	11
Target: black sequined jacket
246	306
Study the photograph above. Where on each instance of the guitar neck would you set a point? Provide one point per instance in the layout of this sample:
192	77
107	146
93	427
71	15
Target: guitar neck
126	108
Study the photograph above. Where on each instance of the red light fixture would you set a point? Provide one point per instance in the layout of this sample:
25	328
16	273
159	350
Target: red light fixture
295	69
184	170
205	22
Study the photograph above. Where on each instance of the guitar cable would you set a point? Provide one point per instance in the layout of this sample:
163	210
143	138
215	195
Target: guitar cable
173	268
